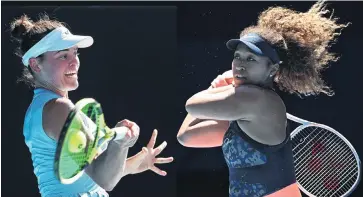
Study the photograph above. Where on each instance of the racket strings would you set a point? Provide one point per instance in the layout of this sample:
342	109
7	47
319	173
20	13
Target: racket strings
299	149
352	174
299	166
71	163
347	179
308	150
331	178
318	155
314	163
324	175
304	149
344	174
317	169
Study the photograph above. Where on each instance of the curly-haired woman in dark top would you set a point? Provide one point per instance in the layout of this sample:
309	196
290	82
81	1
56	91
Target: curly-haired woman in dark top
241	111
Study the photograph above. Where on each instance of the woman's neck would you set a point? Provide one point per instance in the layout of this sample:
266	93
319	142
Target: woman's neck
48	86
268	85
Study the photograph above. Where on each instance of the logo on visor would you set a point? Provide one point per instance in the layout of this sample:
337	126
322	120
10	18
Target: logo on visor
65	33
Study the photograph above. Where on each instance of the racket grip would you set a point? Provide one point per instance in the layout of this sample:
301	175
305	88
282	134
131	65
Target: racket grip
114	134
120	133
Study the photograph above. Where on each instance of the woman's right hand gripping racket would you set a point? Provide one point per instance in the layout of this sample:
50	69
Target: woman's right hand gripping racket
326	164
84	136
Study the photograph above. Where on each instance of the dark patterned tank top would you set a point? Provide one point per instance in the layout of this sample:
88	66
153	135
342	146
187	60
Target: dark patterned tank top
256	169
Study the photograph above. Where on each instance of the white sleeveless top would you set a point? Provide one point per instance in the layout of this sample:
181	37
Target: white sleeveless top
43	148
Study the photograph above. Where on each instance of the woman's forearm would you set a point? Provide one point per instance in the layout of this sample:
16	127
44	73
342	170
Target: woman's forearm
207	94
130	165
188	122
195	132
212	90
200	133
109	167
127	170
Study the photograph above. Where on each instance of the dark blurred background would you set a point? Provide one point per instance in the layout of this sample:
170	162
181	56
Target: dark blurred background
147	60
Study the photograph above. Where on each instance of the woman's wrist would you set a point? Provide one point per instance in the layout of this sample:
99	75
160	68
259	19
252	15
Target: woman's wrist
127	170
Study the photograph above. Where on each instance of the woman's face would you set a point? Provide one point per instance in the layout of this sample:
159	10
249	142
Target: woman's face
60	69
250	68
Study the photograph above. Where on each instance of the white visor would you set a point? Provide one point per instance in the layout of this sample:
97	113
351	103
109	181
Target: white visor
58	39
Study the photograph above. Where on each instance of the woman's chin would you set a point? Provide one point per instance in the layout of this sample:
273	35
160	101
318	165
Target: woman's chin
238	82
73	86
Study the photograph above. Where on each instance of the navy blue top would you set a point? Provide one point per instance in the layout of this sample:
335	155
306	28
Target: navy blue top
256	169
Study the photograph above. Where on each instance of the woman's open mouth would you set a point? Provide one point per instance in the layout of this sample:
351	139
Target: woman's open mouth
71	74
239	79
238	76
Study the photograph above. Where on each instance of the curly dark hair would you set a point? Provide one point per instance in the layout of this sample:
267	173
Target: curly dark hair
302	41
27	33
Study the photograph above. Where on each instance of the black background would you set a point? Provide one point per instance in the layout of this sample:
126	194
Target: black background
146	62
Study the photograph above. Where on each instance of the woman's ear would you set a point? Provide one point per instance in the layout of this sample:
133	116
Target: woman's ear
274	69
34	65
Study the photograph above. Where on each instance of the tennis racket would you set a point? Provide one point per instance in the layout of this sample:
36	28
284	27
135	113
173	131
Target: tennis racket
84	136
326	164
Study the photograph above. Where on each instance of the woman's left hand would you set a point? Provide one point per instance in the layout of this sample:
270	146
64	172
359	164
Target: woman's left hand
146	159
223	80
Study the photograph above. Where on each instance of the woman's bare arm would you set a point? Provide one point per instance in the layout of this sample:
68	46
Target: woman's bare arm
198	133
109	167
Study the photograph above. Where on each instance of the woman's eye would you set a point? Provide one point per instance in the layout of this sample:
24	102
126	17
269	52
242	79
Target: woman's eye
63	57
250	59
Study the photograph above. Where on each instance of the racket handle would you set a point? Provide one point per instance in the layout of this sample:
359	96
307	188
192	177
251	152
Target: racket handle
110	135
114	134
119	133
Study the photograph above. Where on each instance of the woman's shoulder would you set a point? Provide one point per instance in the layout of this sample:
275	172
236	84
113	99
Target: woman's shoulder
58	105
55	113
264	101
262	95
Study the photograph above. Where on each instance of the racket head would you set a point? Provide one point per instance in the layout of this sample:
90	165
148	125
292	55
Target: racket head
77	143
326	163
